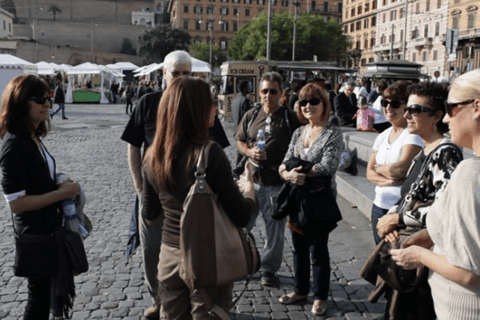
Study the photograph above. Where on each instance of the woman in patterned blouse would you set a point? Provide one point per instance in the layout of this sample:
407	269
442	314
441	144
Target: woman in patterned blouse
320	144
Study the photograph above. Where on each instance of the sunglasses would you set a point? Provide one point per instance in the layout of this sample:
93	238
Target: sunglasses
416	109
395	104
40	100
179	73
313	102
449	106
266	90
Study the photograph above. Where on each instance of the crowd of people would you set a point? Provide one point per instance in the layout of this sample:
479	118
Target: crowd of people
425	221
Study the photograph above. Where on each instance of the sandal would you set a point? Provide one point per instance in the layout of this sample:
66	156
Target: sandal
291	298
319	307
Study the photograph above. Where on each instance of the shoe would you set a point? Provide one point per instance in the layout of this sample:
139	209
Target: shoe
291	298
319	307
153	312
269	279
51	115
64	118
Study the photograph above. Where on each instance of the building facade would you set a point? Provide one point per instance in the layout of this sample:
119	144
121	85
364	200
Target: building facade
360	25
220	19
144	17
464	16
6	24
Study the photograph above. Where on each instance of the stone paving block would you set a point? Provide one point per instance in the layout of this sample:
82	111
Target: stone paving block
8	298
100	314
244	309
263	293
243	316
278	307
346	306
99	299
81	315
339	295
297	315
261	308
279	315
92	306
261	316
294	307
126	304
135	312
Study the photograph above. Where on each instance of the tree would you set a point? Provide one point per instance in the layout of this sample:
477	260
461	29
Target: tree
314	37
201	51
155	44
127	47
54	8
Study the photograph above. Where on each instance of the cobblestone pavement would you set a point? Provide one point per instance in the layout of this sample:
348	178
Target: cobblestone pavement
89	149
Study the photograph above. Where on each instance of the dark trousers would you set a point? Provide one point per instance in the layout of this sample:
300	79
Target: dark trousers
320	261
377	213
38	303
129	104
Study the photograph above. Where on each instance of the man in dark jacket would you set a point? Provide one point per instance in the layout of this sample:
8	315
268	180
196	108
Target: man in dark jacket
345	105
241	104
60	100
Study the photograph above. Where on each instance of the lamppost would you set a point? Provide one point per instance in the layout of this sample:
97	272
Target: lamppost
209	27
356	55
269	29
297	4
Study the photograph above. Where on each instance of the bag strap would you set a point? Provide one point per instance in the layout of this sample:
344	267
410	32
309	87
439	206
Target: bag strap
13	223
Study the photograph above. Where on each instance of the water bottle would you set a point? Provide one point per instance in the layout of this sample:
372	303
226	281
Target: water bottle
69	209
261	140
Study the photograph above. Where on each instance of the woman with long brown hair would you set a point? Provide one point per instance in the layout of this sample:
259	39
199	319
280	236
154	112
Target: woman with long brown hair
185	114
28	176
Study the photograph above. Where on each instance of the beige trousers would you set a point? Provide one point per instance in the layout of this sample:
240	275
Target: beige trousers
178	301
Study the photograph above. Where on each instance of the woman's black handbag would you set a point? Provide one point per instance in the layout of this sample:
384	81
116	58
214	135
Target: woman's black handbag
36	255
71	243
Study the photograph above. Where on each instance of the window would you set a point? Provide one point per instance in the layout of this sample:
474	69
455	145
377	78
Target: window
185	24
424	55
248	1
417	8
371	60
425	31
359	10
437	29
225	26
235	26
260	1
384	17
415	33
367	7
391	38
372	42
469	52
352	13
247	12
346	14
274	2
393	15
456	1
198	9
471	20
325	7
401	35
384	2
185	9
382	39
364	62
236	1
414	56
359	25
4	25
224	0
345	29
435	55
402	13
197	25
427	6
197	40
357	45
374	4
374	21
210	10
223	44
236	11
365	24
455	22
314	5
365	43
352	27
224	11
9	27
340	8
285	3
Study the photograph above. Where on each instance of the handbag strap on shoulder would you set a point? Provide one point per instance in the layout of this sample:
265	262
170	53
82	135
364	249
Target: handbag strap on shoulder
202	163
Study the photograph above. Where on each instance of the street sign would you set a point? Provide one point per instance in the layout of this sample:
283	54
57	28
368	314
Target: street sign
451	40
452	57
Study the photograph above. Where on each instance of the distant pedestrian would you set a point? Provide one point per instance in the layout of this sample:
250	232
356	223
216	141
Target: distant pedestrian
345	105
128	99
30	187
60	100
241	103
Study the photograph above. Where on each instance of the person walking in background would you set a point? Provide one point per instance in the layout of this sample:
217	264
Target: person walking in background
169	170
278	123
60	100
319	144
345	105
392	154
453	219
29	180
240	104
128	98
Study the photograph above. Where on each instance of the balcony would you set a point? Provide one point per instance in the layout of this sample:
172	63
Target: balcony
469	33
386	47
321	11
421	43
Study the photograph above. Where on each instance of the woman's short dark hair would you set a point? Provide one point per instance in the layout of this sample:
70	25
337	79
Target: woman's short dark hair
382	84
436	94
15	106
397	91
310	91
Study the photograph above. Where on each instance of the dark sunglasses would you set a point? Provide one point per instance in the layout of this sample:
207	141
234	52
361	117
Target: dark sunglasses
272	91
40	100
313	102
449	106
416	109
395	104
179	73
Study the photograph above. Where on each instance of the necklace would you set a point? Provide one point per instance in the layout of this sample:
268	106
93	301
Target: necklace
312	132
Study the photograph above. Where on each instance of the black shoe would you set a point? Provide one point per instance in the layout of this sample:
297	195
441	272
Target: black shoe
51	115
352	169
269	279
64	118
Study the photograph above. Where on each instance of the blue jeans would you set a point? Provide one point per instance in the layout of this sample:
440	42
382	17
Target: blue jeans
320	263
61	106
377	213
275	229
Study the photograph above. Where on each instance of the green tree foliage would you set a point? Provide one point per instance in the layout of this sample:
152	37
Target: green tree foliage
127	47
155	44
314	37
201	51
54	8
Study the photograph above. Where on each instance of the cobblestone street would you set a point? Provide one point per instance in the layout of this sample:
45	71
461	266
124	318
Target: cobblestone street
88	148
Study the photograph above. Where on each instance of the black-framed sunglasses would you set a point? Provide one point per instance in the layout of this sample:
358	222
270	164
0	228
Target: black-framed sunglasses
449	106
40	100
179	73
313	102
415	109
395	104
266	90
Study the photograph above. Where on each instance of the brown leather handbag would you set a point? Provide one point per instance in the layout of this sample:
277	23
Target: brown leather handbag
214	250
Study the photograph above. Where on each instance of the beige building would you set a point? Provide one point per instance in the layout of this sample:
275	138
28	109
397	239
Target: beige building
464	15
6	24
222	18
360	25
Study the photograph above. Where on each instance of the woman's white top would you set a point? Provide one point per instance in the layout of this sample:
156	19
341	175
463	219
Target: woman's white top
386	197
378	109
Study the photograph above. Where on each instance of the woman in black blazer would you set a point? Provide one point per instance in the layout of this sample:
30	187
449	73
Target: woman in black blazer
28	174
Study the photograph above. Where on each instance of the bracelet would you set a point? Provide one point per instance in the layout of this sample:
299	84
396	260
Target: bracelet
375	167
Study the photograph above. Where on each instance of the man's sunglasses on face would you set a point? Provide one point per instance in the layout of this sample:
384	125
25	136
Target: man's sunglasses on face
179	73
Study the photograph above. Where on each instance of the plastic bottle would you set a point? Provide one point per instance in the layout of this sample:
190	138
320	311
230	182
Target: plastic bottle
261	140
